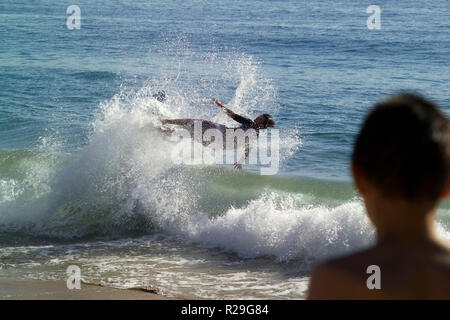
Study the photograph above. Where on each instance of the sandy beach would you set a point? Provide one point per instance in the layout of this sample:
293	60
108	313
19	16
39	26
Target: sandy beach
11	289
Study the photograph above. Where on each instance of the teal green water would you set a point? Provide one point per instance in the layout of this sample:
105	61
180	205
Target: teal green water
33	179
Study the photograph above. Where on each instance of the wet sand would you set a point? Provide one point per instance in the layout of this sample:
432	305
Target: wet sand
11	289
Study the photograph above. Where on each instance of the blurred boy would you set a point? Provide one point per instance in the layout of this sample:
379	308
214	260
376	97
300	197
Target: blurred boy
400	165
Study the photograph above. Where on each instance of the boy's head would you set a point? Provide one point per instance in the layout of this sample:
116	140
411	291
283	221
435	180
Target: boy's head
265	121
403	149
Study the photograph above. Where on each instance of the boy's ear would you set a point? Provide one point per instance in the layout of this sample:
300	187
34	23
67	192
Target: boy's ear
359	179
446	192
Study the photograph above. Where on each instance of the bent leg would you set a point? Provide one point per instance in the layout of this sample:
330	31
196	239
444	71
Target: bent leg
180	122
189	124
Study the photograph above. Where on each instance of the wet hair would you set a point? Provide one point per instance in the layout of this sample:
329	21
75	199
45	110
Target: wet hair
268	121
403	148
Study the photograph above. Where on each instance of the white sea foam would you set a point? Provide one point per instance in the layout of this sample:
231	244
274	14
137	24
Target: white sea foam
277	225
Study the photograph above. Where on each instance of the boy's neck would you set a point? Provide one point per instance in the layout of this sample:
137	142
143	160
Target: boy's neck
403	223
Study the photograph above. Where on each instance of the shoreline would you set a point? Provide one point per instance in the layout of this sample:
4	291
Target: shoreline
13	289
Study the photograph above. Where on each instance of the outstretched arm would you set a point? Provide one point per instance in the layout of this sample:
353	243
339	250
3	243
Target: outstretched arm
233	115
225	109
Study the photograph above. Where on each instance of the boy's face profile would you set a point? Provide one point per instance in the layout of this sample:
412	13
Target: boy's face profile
372	197
368	192
363	186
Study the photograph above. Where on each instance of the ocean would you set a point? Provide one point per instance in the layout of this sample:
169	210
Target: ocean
86	177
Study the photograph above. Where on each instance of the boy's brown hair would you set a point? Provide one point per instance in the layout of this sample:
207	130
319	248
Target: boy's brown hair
403	148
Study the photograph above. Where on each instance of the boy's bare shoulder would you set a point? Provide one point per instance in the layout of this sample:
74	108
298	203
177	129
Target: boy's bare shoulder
403	276
342	278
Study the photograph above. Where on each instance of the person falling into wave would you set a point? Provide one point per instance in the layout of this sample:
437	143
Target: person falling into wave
263	121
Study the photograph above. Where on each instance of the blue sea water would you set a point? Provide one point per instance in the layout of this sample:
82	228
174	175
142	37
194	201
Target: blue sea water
75	162
327	67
